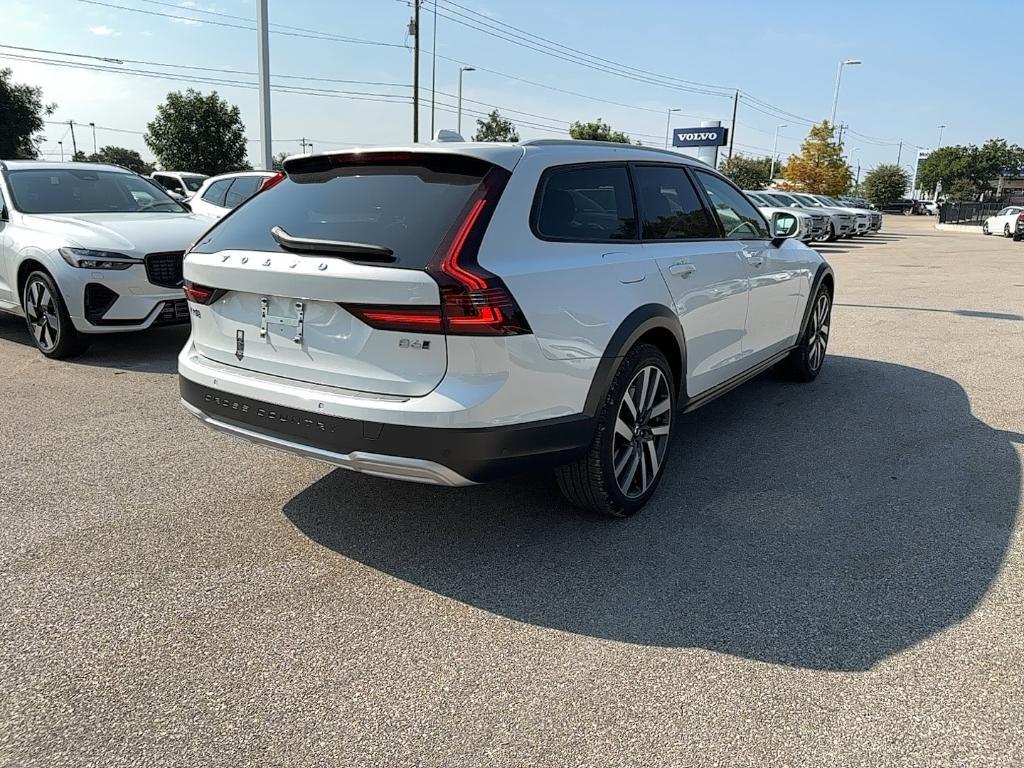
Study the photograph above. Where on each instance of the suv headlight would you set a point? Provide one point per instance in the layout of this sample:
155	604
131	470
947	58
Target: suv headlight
86	258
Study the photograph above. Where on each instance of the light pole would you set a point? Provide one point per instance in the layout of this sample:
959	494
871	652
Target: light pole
835	96
61	144
93	126
668	126
941	127
856	154
775	149
263	83
461	71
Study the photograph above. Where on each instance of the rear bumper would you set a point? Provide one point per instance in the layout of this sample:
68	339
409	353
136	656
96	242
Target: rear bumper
435	455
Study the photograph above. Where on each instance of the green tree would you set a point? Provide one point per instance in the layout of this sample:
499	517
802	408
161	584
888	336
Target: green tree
124	157
961	190
980	166
278	161
199	133
597	131
885	184
819	168
21	118
748	172
80	157
495	128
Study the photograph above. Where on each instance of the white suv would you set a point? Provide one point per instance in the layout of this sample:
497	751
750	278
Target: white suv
453	313
87	249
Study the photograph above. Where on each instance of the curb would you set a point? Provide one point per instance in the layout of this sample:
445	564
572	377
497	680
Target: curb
975	230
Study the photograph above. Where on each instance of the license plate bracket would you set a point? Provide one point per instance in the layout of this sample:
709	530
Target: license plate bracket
295	322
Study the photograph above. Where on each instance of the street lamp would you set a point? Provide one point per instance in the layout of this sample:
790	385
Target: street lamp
668	126
855	155
835	96
61	144
939	145
461	71
93	126
775	149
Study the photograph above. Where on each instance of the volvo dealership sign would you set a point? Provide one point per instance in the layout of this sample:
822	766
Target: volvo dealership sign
700	137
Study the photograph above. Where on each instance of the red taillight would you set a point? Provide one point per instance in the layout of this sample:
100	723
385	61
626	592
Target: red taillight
272	181
201	294
398	318
475	302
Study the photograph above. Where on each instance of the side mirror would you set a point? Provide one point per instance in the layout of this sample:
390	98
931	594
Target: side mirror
784	226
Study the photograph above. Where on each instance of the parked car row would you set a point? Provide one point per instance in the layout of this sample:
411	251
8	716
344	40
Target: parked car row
441	313
831	219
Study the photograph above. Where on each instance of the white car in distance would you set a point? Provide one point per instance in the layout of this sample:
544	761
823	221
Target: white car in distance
220	194
1004	222
86	249
178	184
452	313
840	224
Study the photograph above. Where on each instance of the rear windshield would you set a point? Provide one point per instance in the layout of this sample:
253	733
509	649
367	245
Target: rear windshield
406	203
80	190
193	183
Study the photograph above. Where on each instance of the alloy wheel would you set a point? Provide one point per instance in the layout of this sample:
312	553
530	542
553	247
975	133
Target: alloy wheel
43	319
819	331
642	427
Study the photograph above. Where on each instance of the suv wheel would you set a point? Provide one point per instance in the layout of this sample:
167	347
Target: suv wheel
624	463
804	363
48	321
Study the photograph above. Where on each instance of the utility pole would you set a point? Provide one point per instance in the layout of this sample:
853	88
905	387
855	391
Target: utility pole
303	143
842	127
416	72
74	144
732	125
263	55
899	153
433	73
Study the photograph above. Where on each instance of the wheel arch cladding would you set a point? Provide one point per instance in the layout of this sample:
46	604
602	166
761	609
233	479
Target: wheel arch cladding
651	324
26	268
823	276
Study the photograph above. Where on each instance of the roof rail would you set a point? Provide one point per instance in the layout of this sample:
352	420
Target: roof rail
590	143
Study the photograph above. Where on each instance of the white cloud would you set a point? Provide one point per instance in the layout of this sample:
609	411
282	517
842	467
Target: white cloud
103	31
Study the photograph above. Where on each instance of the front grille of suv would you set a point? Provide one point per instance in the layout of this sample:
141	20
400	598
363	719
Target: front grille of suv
173	313
165	269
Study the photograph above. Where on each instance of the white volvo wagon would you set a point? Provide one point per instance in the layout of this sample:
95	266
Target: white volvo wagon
454	313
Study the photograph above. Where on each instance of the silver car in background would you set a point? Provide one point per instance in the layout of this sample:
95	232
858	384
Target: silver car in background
841	223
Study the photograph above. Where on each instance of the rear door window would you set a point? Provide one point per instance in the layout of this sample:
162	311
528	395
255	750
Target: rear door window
241	190
585	204
740	219
669	205
216	191
403	201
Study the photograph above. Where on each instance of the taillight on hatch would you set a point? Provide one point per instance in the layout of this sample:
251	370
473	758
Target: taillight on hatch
475	302
272	181
398	318
201	294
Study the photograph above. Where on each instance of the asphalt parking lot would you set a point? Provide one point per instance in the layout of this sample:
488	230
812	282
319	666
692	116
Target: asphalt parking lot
832	574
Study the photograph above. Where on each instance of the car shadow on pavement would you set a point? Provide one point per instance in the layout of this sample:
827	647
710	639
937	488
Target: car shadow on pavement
152	351
825	526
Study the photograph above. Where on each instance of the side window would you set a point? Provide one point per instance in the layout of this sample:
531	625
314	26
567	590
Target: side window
216	191
241	190
169	182
740	219
669	205
585	204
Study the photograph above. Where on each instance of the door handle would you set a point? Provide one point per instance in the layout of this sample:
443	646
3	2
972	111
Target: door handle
682	269
754	258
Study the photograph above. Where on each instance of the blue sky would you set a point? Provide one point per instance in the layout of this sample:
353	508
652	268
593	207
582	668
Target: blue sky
924	64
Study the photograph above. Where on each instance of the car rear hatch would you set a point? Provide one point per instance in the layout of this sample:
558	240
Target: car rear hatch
323	276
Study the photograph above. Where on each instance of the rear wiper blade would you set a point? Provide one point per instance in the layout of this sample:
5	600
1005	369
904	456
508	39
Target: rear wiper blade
364	251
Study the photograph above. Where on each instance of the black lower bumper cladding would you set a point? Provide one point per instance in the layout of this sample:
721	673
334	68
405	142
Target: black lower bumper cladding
480	454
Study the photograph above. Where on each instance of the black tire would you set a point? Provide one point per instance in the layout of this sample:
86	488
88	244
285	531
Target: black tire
805	362
1006	230
831	237
984	228
47	319
592	482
